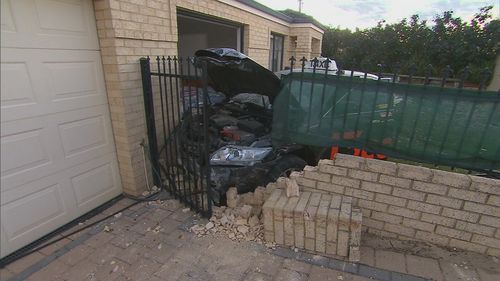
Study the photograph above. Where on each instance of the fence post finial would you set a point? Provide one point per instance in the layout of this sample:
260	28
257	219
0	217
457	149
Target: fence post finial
303	61
292	62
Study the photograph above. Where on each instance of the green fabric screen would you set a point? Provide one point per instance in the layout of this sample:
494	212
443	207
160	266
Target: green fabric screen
440	125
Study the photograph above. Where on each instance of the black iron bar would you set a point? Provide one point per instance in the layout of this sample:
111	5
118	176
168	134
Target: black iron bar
180	105
374	107
169	128
190	135
464	76
150	116
428	74
412	71
446	73
208	210
309	112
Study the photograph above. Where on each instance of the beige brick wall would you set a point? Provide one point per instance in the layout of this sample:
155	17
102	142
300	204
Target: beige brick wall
316	222
412	202
131	29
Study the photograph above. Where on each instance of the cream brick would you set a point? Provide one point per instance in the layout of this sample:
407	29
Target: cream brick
430	187
363	175
414	172
376	187
340	180
404	212
423	207
418	225
467	246
451	179
461	215
380	166
386	217
487	241
487	185
313	175
483	209
473	196
438	219
432	237
348	161
372	205
343	243
301	181
395	181
475	228
493	252
382	233
330	187
332	225
444	201
494	200
353	192
371	223
334	170
391	200
408	194
399	229
491	221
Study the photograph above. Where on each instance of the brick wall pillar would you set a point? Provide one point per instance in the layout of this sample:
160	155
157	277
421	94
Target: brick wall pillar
129	30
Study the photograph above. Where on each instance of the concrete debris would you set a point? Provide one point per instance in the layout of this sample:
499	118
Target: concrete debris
232	197
253	221
239	221
245	211
185	210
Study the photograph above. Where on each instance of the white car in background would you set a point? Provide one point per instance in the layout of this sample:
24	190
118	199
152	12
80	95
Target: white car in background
332	70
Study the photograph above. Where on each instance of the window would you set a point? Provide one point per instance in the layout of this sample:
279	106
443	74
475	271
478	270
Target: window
276	52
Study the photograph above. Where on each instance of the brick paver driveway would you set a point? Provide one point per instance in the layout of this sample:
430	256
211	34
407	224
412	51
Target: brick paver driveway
149	242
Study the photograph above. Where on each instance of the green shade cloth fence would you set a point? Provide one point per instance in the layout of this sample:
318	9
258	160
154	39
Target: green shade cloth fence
438	125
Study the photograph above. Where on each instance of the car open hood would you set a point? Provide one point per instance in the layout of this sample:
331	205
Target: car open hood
232	72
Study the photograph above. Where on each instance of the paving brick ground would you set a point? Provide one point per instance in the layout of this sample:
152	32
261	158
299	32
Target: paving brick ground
149	242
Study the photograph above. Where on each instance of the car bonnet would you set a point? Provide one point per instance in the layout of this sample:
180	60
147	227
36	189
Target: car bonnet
232	72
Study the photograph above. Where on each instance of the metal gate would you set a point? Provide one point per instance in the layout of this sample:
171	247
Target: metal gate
175	101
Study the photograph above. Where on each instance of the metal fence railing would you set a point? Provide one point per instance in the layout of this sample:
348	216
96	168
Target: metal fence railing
445	124
175	100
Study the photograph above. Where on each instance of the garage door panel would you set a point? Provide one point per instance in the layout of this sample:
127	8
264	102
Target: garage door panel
59	187
94	183
7	18
19	215
58	159
24	151
68	138
83	135
16	94
47	81
56	24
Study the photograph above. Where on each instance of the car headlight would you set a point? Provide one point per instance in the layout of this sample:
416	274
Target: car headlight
239	155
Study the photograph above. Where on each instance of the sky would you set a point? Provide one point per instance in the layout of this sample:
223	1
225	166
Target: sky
366	13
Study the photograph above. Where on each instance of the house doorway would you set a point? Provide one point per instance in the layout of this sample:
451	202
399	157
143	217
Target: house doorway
276	52
198	31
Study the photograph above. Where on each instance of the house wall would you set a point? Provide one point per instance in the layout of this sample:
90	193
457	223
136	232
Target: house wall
412	202
495	80
131	29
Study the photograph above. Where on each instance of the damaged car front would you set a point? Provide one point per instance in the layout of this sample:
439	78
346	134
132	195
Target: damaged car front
239	140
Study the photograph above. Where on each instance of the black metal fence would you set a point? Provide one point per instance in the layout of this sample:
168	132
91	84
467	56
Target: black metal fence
396	115
175	100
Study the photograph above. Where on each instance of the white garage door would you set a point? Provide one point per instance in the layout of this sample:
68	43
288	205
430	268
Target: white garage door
57	148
